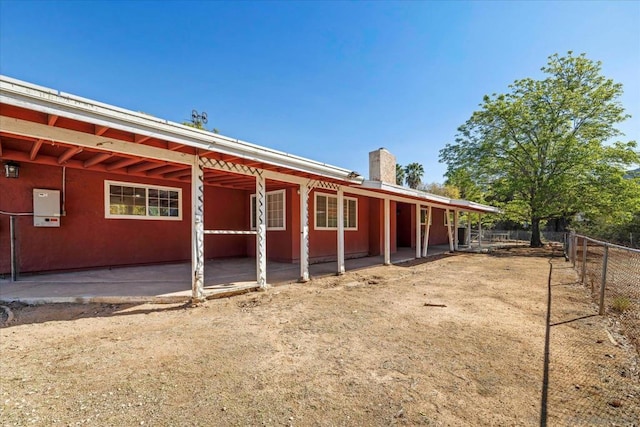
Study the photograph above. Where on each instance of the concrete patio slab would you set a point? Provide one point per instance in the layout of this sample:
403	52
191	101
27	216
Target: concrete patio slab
169	282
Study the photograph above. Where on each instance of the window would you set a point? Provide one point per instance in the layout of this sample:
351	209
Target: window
138	201
276	202
449	219
423	217
327	212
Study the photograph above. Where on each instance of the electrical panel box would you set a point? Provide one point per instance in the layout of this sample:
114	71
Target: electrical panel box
46	208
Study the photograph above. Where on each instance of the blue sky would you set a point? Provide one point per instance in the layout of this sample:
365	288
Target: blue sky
326	80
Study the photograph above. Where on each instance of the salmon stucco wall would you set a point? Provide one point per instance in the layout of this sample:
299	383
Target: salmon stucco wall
405	215
224	209
85	237
323	244
376	226
438	233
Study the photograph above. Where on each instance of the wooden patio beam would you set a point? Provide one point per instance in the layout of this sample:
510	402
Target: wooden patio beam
34	149
139	139
98	158
177	174
144	167
68	154
52	119
166	169
99	130
123	163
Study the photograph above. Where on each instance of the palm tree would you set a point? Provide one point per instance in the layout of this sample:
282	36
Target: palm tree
399	174
414	172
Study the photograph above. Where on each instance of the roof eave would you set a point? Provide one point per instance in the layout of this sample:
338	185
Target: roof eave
22	94
430	198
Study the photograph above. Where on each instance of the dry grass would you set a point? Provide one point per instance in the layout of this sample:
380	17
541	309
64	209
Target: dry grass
361	349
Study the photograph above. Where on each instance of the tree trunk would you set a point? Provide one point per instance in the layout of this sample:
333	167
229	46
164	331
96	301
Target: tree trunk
535	233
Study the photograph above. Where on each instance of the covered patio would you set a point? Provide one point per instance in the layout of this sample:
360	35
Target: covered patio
165	283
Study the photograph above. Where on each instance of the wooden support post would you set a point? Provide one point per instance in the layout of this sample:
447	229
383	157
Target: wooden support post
418	234
427	228
261	228
304	233
468	236
449	231
340	232
197	230
387	232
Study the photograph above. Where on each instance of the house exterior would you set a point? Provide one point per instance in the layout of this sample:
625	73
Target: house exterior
100	186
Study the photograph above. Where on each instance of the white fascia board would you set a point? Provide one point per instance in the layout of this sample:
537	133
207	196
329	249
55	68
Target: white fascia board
26	95
430	198
397	189
475	206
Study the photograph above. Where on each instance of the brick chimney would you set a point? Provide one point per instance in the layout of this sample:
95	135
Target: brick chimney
382	166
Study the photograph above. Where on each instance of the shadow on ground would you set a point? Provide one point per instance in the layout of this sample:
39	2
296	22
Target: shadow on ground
22	314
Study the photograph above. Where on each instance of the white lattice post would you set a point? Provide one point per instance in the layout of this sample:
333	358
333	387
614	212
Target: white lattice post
387	232
427	228
340	231
418	236
449	231
261	228
197	230
304	233
456	223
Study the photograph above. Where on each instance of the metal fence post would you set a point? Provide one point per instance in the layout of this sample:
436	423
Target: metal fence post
584	259
604	278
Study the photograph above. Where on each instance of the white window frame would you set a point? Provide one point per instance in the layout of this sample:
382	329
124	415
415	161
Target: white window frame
335	196
147	187
451	217
426	214
253	219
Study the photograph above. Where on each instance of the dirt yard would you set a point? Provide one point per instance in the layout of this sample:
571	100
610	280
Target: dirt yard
454	341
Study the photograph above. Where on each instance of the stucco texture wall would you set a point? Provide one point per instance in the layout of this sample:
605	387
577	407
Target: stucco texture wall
87	239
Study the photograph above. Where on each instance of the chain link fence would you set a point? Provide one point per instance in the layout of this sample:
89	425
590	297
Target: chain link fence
612	274
492	238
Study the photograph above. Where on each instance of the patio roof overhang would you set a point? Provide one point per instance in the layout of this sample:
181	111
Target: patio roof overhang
428	198
41	125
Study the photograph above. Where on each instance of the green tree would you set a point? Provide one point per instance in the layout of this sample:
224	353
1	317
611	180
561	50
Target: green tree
413	174
446	190
467	188
539	150
399	174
